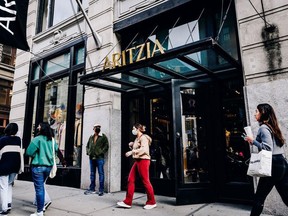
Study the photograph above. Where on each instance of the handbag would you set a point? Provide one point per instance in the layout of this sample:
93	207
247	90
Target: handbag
54	167
260	164
22	151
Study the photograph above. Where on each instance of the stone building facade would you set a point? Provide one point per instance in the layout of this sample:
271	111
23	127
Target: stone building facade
263	40
262	43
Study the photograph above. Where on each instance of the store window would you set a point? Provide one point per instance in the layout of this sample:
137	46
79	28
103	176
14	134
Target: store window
5	90
194	152
52	12
160	149
58	99
55	109
8	55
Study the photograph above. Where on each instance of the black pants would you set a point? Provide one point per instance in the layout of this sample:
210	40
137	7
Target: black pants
279	179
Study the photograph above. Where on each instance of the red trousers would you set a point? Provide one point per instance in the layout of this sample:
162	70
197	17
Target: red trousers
142	166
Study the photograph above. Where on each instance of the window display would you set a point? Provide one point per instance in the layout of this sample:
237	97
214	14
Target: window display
55	109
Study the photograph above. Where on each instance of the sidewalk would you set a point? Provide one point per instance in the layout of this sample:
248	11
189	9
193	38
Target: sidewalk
73	202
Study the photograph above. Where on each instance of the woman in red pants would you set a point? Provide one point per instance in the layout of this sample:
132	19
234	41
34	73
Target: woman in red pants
140	153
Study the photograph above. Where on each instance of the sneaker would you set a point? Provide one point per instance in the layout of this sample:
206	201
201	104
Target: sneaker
148	207
124	205
4	212
9	207
37	214
46	205
87	192
100	193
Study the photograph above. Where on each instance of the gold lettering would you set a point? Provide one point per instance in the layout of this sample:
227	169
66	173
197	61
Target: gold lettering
148	50
130	54
159	46
123	58
140	53
119	59
107	64
116	57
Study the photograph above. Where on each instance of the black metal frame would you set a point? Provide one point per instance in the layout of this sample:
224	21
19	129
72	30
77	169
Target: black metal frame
92	79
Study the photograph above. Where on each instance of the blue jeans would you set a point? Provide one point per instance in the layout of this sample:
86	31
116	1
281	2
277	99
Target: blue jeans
99	163
39	176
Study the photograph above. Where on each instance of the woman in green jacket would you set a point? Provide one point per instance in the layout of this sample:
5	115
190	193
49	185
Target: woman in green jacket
41	151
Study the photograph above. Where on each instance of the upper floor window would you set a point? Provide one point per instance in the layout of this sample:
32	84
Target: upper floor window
5	90
52	12
8	55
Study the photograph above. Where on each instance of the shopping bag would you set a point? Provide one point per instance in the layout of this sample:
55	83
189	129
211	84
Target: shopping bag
22	152
54	167
260	164
53	171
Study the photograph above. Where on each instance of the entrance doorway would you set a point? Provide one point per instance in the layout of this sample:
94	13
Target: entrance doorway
208	120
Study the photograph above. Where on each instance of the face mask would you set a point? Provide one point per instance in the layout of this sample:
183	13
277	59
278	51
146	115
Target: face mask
97	130
134	132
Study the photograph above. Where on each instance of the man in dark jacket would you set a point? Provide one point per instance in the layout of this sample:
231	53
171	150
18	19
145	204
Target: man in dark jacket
96	148
10	150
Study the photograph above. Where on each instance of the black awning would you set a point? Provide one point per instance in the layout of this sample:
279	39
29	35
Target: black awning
201	60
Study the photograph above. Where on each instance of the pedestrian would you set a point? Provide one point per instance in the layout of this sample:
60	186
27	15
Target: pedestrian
10	150
47	199
41	151
140	153
97	147
269	137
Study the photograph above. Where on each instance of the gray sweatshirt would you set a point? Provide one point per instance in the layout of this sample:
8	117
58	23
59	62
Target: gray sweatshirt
265	140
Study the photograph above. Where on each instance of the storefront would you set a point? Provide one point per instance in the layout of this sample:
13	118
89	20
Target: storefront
184	81
55	96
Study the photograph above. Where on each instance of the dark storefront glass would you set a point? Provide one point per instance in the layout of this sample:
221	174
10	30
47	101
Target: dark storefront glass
237	151
160	149
194	153
52	86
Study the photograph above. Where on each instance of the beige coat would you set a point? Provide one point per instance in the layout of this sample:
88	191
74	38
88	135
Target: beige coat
140	148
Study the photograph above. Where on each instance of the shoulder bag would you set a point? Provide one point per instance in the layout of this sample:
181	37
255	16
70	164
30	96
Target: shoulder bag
54	167
260	164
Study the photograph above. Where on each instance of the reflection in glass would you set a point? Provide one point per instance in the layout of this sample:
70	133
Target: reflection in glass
78	127
183	34
160	149
36	71
79	55
33	129
194	168
55	110
237	153
57	64
63	10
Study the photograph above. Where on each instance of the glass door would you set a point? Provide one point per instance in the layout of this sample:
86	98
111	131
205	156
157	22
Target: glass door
209	154
194	161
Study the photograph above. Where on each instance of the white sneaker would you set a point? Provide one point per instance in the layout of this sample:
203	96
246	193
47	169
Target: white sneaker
148	207
124	205
37	214
46	205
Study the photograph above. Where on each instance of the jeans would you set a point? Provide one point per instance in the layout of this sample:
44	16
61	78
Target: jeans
39	176
6	190
142	166
47	198
279	179
99	163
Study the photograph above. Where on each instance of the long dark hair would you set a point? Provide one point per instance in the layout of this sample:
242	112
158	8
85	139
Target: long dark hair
45	130
268	117
11	129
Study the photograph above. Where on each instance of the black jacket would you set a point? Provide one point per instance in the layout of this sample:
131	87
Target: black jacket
10	160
